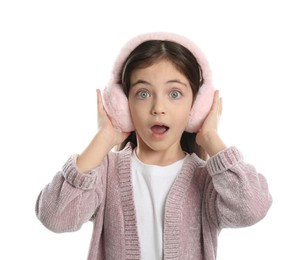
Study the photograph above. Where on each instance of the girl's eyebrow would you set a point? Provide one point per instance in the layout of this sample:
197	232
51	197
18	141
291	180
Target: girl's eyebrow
177	81
140	81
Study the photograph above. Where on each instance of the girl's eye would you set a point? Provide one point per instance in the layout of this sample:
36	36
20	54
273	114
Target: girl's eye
175	94
142	94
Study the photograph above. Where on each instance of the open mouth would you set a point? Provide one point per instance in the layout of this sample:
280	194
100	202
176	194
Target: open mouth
159	129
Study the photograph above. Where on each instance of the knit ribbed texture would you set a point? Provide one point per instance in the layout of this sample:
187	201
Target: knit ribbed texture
132	248
224	160
205	197
173	212
82	181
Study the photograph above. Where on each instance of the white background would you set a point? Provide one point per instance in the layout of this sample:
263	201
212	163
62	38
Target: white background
54	54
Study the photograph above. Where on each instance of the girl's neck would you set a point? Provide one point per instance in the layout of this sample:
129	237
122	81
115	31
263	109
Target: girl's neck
160	158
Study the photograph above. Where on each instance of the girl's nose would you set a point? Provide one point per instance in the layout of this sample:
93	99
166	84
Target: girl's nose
158	108
155	112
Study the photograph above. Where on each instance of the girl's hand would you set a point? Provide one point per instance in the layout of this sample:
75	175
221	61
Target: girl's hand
105	139
105	126
208	137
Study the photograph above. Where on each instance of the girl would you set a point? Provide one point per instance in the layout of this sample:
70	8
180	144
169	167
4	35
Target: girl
158	196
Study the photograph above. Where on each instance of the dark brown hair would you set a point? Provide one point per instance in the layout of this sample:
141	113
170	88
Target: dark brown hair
145	55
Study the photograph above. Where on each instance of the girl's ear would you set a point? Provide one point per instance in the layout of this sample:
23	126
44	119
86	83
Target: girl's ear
116	105
200	108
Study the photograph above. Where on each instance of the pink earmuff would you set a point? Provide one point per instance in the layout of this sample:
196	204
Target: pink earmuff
116	103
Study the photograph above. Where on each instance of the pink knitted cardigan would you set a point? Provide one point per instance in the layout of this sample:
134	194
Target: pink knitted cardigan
206	197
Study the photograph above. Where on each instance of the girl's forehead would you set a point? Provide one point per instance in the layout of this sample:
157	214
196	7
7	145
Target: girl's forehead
161	67
162	63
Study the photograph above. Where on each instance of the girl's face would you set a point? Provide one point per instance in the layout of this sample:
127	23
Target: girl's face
160	100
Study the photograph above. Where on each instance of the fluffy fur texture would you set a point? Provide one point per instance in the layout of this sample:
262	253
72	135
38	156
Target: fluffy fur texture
116	103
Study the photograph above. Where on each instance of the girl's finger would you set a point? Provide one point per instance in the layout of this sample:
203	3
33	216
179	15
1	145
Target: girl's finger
98	96
220	106
215	105
99	101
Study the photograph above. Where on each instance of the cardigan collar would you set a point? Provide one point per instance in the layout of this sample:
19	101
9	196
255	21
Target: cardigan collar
174	200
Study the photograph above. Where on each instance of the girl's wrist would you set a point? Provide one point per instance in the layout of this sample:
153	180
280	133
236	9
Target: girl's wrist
212	143
105	140
92	156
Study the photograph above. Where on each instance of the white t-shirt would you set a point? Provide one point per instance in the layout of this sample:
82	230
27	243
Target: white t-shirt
151	184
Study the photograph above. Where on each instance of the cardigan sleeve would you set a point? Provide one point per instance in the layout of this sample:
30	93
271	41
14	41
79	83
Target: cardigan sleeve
71	198
239	195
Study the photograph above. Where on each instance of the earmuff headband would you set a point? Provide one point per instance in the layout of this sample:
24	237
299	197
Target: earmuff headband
116	103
